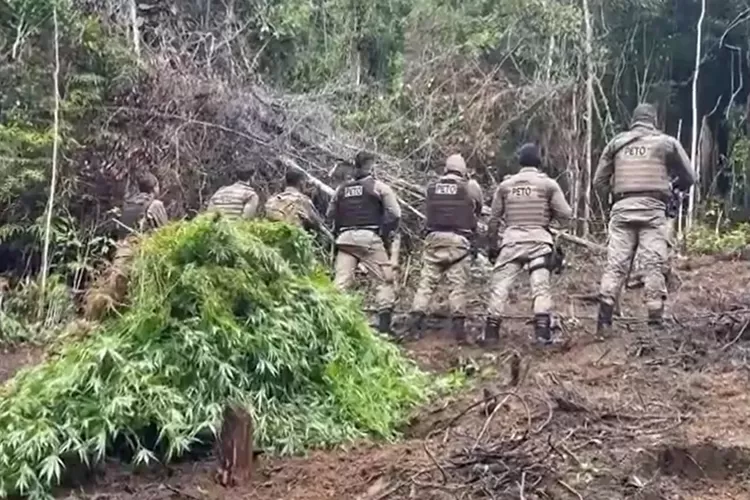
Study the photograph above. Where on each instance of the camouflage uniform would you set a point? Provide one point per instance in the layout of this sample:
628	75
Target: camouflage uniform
235	200
639	164
293	207
527	202
637	275
141	213
453	204
364	209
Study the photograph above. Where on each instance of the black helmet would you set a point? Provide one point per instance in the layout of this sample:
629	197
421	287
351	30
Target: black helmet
529	155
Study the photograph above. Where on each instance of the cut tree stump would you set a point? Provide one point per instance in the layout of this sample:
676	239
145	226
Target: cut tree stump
234	449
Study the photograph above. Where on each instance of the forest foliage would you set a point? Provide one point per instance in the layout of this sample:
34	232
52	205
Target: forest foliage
217	311
414	80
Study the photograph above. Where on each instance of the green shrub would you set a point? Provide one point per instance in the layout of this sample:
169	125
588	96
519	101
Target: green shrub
220	312
703	239
19	311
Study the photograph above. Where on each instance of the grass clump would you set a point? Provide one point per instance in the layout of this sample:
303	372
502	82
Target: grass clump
219	311
706	240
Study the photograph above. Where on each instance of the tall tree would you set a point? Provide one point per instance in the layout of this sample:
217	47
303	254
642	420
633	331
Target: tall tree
694	132
589	115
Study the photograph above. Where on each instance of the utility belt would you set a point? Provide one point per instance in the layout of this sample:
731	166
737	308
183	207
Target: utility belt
658	195
374	229
554	261
466	233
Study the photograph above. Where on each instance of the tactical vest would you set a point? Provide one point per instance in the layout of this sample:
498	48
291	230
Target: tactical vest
526	202
231	200
449	206
358	205
640	166
133	211
283	207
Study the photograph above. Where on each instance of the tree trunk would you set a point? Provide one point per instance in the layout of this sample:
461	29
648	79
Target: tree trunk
53	176
136	31
679	211
694	132
589	117
706	160
234	449
573	170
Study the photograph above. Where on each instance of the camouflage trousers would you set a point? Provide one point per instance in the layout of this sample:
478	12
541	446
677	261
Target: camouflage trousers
637	275
109	289
630	232
511	263
376	261
457	276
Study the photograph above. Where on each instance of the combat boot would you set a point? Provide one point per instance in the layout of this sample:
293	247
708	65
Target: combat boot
542	329
604	320
416	325
491	336
384	321
458	327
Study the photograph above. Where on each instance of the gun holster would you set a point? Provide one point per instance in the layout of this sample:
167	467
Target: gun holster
556	260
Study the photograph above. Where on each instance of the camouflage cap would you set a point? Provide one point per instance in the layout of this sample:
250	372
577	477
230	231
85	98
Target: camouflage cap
644	113
455	164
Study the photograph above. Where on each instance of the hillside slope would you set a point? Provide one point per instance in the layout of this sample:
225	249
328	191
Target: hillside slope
643	415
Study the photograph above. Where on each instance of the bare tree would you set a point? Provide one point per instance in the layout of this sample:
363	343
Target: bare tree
694	132
53	178
136	31
589	116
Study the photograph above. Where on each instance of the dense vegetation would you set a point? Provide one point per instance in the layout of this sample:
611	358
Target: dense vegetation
218	312
413	79
192	89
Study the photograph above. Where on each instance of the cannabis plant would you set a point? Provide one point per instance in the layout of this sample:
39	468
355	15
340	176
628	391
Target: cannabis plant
219	312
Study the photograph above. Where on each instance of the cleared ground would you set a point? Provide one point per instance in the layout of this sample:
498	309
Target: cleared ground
650	415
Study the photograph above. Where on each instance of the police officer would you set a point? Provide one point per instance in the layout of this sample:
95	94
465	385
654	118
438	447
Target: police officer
366	215
293	206
453	204
236	200
144	210
141	212
639	164
527	202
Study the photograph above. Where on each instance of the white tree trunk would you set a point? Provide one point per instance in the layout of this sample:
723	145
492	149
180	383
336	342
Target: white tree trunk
679	211
694	132
53	178
136	31
589	117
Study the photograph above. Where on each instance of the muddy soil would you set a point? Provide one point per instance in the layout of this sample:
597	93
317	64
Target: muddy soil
645	415
13	358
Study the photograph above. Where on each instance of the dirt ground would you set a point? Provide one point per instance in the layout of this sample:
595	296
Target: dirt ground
14	358
646	415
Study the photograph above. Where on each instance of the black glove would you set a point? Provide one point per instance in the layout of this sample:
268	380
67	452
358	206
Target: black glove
492	254
386	233
387	244
673	205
